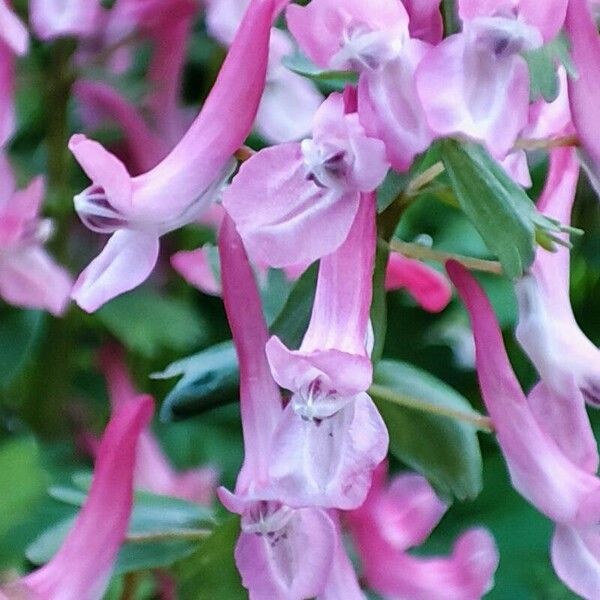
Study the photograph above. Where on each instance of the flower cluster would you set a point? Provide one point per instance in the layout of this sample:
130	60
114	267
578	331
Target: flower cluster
318	516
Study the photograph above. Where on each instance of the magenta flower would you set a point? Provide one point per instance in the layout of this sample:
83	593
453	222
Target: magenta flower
425	20
82	566
320	179
475	83
331	435
196	268
28	274
372	39
153	471
13	40
584	89
430	288
564	357
282	553
393	520
64	18
138	210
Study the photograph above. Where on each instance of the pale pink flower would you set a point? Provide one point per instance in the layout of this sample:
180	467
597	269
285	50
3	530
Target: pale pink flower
321	180
14	40
398	517
196	268
153	471
138	210
372	39
331	435
547	330
64	18
28	274
82	566
282	553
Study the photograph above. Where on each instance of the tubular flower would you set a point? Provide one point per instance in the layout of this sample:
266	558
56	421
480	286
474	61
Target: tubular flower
321	179
290	101
153	472
331	436
28	275
138	210
282	553
563	490
564	357
82	566
394	519
13	40
475	83
373	40
64	18
584	89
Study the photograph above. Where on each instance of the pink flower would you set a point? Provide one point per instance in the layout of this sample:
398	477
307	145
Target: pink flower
320	179
393	520
64	18
13	40
153	472
372	39
584	89
28	274
428	287
565	491
331	435
290	101
425	20
564	357
196	268
138	210
476	84
82	566
282	553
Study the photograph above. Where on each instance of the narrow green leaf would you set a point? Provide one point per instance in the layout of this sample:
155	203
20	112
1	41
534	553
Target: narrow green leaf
542	74
302	65
499	208
443	449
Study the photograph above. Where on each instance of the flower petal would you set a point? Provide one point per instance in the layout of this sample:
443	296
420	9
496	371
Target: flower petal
126	261
328	463
82	566
30	277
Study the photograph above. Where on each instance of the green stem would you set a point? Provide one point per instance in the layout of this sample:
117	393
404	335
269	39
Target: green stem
474	418
161	536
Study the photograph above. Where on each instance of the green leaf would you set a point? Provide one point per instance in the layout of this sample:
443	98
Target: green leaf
443	449
210	379
169	519
22	328
501	211
147	322
302	65
291	323
542	74
210	573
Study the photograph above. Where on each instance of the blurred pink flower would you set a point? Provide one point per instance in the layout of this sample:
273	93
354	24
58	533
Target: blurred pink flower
64	18
28	274
430	288
138	210
14	40
153	472
290	101
82	566
321	180
394	519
